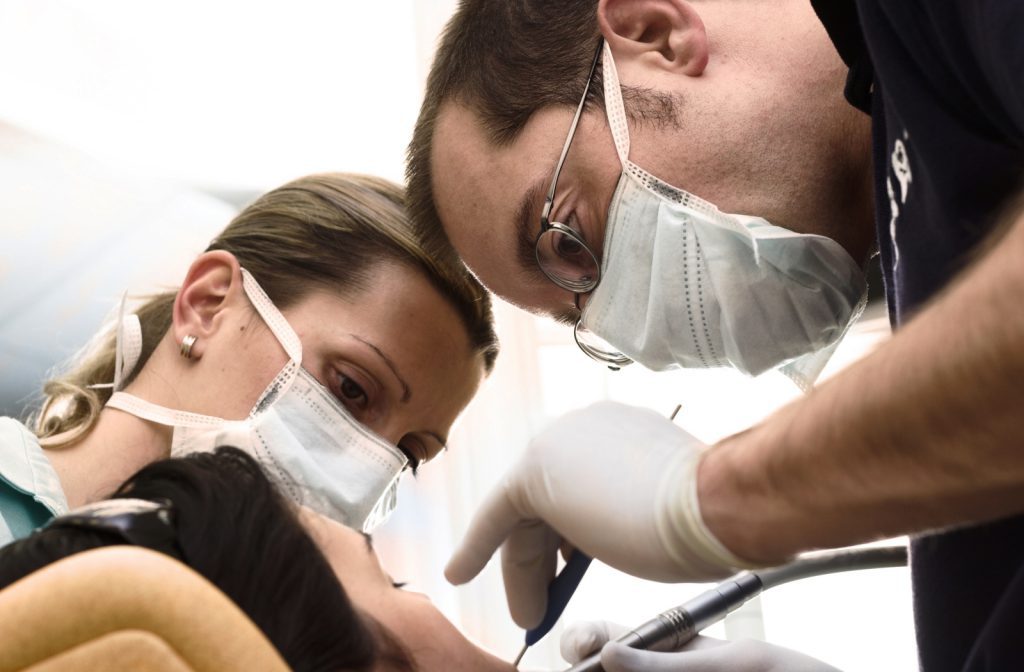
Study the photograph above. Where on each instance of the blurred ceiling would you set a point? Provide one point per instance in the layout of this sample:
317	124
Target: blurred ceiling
223	94
130	133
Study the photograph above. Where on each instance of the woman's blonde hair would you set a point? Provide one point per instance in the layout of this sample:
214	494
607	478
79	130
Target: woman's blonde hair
326	231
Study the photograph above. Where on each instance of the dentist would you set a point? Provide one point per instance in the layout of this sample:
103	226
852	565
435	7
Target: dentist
687	185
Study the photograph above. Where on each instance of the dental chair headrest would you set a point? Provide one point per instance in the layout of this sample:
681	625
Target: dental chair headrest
126	608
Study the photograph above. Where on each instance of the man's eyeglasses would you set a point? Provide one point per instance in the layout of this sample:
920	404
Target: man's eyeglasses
564	256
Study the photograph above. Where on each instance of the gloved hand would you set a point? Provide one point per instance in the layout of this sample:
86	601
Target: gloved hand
615	481
703	654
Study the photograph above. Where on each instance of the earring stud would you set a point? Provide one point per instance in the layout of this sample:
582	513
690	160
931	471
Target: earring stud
186	346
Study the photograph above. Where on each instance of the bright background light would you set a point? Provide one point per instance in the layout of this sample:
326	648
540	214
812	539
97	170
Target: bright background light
130	131
242	95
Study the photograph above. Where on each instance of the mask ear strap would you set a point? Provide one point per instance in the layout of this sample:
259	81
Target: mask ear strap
147	410
613	105
279	326
127	347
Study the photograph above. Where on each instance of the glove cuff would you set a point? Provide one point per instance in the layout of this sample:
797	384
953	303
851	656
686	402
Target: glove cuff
681	528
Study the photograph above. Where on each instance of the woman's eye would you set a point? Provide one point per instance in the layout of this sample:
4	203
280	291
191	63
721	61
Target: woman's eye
414	454
351	391
399	584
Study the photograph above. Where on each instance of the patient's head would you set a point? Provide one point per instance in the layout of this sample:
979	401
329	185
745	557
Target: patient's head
236	530
431	641
313	587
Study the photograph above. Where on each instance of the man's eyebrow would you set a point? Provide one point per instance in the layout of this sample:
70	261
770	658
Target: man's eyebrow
406	392
369	541
528	218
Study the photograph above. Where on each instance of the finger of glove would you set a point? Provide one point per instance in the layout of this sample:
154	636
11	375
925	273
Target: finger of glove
583	638
617	657
703	642
751	655
491	526
709	657
528	561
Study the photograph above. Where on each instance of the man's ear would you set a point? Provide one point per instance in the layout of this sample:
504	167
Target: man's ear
664	34
213	283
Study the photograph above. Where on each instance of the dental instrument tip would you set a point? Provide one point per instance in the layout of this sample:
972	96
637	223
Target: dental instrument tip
522	652
675	412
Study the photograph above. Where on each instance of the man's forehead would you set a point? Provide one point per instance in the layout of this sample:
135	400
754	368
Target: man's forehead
479	188
463	155
464	165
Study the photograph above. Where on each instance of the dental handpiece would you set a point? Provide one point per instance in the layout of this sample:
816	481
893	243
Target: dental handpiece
671	630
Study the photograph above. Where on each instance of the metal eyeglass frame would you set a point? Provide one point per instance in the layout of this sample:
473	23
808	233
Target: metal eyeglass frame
614	360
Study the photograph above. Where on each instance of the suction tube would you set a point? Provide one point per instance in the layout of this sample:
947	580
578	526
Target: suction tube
671	630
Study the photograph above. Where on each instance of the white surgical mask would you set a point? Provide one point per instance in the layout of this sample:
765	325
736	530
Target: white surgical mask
305	439
686	285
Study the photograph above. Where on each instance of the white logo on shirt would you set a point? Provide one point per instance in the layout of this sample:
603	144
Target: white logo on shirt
900	163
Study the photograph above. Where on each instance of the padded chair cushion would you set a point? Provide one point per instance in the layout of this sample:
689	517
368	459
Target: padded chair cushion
122	651
120	602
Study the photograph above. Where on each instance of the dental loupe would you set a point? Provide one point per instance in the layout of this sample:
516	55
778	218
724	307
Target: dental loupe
671	630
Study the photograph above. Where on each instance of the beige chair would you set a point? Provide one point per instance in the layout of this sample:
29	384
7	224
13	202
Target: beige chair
126	609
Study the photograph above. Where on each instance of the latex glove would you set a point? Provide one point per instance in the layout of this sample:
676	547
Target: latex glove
615	481
703	654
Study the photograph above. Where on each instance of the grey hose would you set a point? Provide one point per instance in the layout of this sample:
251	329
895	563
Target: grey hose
671	630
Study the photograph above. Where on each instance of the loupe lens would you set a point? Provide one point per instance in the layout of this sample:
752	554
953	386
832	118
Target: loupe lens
599	349
564	257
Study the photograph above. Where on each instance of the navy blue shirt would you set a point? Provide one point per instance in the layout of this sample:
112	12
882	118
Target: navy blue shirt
943	81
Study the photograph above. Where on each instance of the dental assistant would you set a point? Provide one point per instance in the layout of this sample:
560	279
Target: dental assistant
688	185
315	333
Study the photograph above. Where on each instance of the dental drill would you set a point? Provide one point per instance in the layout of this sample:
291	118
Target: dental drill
671	630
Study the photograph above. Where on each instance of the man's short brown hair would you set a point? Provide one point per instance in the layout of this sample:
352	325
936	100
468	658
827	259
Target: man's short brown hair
505	59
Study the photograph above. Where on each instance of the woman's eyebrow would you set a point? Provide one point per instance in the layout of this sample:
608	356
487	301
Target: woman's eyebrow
369	542
406	392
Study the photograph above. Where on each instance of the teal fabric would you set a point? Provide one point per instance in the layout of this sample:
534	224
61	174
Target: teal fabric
21	512
30	491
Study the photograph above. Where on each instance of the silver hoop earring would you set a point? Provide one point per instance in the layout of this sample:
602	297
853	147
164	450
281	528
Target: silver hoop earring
186	346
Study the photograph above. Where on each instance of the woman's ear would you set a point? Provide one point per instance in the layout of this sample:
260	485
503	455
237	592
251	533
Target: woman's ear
213	283
664	34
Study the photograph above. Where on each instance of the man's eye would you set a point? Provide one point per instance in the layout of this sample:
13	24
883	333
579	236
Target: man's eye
567	247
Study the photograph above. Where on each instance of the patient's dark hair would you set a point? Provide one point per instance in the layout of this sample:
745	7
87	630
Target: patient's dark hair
235	529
